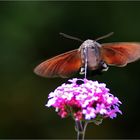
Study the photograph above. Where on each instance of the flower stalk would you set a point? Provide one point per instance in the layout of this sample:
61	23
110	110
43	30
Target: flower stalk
80	129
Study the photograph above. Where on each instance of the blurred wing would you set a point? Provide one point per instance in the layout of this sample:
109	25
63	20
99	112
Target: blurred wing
119	54
63	65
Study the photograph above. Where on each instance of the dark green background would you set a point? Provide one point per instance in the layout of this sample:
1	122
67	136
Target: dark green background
29	34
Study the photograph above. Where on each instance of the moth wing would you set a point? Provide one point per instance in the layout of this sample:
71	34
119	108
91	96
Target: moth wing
119	54
63	65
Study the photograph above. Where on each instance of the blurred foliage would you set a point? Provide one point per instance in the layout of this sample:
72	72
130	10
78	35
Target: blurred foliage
29	34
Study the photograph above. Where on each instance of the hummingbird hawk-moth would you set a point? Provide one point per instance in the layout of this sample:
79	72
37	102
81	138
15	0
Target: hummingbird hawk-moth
91	55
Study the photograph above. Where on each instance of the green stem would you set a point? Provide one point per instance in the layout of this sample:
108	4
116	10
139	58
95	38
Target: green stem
81	129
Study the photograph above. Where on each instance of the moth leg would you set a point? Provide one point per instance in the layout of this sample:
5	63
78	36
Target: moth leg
103	66
82	70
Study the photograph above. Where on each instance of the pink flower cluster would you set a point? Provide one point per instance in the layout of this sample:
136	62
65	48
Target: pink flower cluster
84	100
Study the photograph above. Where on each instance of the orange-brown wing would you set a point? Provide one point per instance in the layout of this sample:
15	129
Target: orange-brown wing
63	65
119	54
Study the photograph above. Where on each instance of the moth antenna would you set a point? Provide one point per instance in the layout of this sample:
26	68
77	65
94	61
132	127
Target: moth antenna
105	36
71	37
